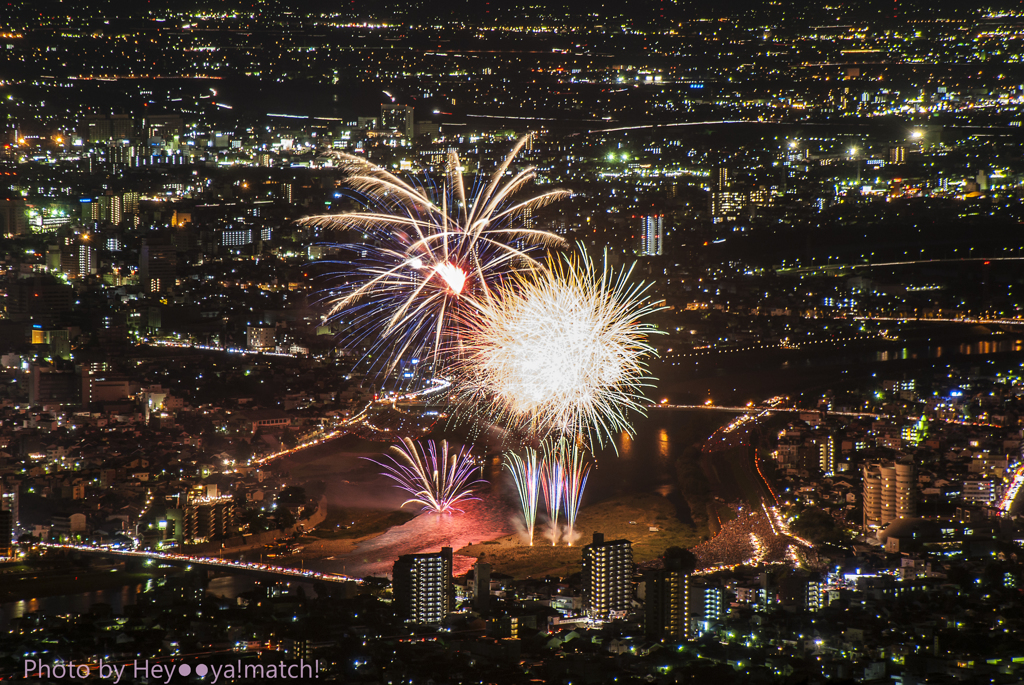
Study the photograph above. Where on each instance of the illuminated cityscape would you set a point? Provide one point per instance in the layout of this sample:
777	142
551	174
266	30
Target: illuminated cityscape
496	342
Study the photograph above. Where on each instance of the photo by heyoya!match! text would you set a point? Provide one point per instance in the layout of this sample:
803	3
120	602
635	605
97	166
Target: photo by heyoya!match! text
126	672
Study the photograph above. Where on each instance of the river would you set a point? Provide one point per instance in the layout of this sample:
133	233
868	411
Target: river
638	464
643	463
118	599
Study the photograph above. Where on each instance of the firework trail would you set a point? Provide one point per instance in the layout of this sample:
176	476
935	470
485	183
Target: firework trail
428	252
526	472
559	351
576	469
434	476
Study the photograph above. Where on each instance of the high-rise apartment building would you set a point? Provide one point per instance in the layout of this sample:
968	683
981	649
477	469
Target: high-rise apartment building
423	588
202	518
826	448
982	492
872	504
109	208
890	493
814	596
652	235
607	577
906	489
712	606
8	517
668	602
86	259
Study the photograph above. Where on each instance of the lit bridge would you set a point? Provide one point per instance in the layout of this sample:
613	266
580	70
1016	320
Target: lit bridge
760	409
211	563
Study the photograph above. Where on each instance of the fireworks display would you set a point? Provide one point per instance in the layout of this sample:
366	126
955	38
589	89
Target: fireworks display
555	349
434	476
426	251
527	473
560	351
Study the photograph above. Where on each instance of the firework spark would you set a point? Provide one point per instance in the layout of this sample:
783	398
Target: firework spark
526	472
575	469
436	477
426	252
560	351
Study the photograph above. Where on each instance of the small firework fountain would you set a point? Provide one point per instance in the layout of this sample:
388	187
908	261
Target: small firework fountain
436	478
553	482
526	472
575	469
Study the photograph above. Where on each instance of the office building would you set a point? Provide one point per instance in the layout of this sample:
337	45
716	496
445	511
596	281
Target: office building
481	587
99	128
57	341
423	588
607	577
40	299
983	492
101	386
6	533
48	385
13	217
399	119
261	337
158	266
164	129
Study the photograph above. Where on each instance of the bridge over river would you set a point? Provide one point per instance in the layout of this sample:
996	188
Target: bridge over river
213	563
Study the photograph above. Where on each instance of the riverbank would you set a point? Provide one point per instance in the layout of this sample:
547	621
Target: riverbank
647	520
344	529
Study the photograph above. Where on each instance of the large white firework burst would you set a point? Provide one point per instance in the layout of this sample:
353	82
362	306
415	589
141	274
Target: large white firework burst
561	350
427	251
